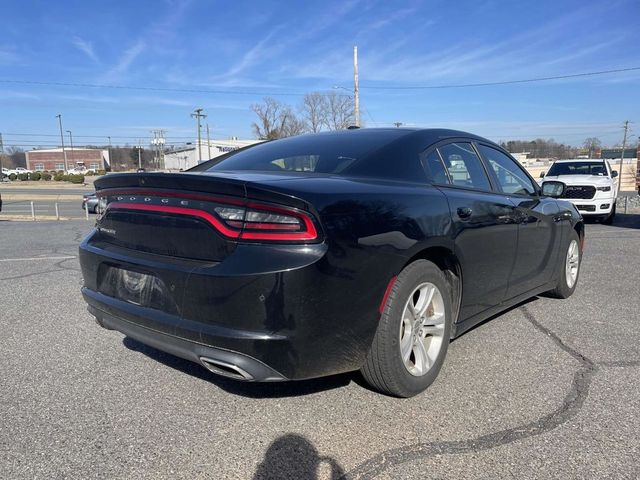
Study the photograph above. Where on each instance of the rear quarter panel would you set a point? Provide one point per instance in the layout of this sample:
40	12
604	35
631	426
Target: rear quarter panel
372	229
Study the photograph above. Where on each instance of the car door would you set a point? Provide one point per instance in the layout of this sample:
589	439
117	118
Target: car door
539	235
484	224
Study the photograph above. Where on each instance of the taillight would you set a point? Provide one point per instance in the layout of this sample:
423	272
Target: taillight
241	220
266	222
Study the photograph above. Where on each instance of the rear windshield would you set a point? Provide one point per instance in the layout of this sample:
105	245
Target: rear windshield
324	153
577	168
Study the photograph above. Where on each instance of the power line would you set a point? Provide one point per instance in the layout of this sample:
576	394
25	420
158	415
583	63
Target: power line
145	88
133	137
505	82
274	93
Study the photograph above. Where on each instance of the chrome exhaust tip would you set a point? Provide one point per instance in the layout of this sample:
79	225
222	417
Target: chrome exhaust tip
225	369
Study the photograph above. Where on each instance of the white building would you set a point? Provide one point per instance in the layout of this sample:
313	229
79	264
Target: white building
188	157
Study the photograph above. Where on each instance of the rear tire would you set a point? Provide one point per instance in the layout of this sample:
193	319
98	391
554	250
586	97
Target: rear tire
568	278
413	335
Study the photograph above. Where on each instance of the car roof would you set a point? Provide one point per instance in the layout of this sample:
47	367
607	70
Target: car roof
579	160
426	135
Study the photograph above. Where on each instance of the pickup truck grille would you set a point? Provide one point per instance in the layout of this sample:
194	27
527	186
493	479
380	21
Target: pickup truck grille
579	191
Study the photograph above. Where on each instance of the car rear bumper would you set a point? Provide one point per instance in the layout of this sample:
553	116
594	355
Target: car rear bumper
275	313
220	361
594	206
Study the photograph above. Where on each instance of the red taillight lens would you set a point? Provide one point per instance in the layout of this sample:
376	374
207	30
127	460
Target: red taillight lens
237	220
266	222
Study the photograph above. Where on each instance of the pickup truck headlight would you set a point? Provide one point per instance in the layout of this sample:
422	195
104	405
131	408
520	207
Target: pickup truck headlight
603	189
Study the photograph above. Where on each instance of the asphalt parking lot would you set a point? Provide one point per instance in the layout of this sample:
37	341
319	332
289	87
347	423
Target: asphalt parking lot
549	389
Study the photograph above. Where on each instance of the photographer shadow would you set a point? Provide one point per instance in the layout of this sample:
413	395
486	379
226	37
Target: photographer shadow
293	456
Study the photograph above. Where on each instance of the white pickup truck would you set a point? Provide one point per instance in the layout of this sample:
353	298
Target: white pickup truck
16	171
590	186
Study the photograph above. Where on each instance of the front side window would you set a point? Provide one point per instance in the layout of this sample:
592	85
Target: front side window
464	166
511	177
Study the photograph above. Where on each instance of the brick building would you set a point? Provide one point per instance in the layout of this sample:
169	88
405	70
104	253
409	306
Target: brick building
53	159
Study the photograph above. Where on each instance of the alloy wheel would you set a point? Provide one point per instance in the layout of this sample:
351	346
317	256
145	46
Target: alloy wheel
422	329
572	264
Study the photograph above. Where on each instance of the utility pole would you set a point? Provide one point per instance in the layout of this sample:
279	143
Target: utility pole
158	147
139	153
624	145
72	152
208	144
356	87
64	152
197	114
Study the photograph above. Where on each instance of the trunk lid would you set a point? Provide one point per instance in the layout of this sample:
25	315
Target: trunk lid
189	215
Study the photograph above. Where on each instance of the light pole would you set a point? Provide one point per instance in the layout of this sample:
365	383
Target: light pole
72	152
109	153
356	87
64	152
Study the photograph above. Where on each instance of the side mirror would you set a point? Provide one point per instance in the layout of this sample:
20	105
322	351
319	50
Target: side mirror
553	189
614	173
542	174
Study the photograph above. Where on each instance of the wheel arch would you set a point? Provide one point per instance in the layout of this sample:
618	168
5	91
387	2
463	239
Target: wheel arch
448	262
579	228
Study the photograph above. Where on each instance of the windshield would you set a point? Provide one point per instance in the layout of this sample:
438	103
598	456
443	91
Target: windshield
577	168
326	153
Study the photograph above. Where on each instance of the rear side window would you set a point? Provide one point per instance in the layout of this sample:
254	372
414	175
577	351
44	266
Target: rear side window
435	168
511	177
464	166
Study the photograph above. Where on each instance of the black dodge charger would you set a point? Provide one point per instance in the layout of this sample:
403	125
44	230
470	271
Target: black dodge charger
319	254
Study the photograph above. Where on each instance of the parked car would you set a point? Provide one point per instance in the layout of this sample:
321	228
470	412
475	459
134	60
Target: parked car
590	186
16	171
327	253
90	202
80	169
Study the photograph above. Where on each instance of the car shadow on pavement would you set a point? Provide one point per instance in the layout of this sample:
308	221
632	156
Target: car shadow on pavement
235	387
626	220
293	456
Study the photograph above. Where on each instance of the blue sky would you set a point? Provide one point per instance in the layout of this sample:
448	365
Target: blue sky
285	48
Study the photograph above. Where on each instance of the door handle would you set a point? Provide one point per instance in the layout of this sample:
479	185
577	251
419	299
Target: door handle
464	212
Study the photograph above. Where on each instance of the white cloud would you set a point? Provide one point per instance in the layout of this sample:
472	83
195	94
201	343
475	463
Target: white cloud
85	47
126	59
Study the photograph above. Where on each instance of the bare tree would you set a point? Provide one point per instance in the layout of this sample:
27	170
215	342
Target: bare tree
315	110
340	111
269	114
275	120
592	144
291	124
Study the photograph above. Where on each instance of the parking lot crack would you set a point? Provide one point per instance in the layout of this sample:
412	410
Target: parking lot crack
555	338
571	405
